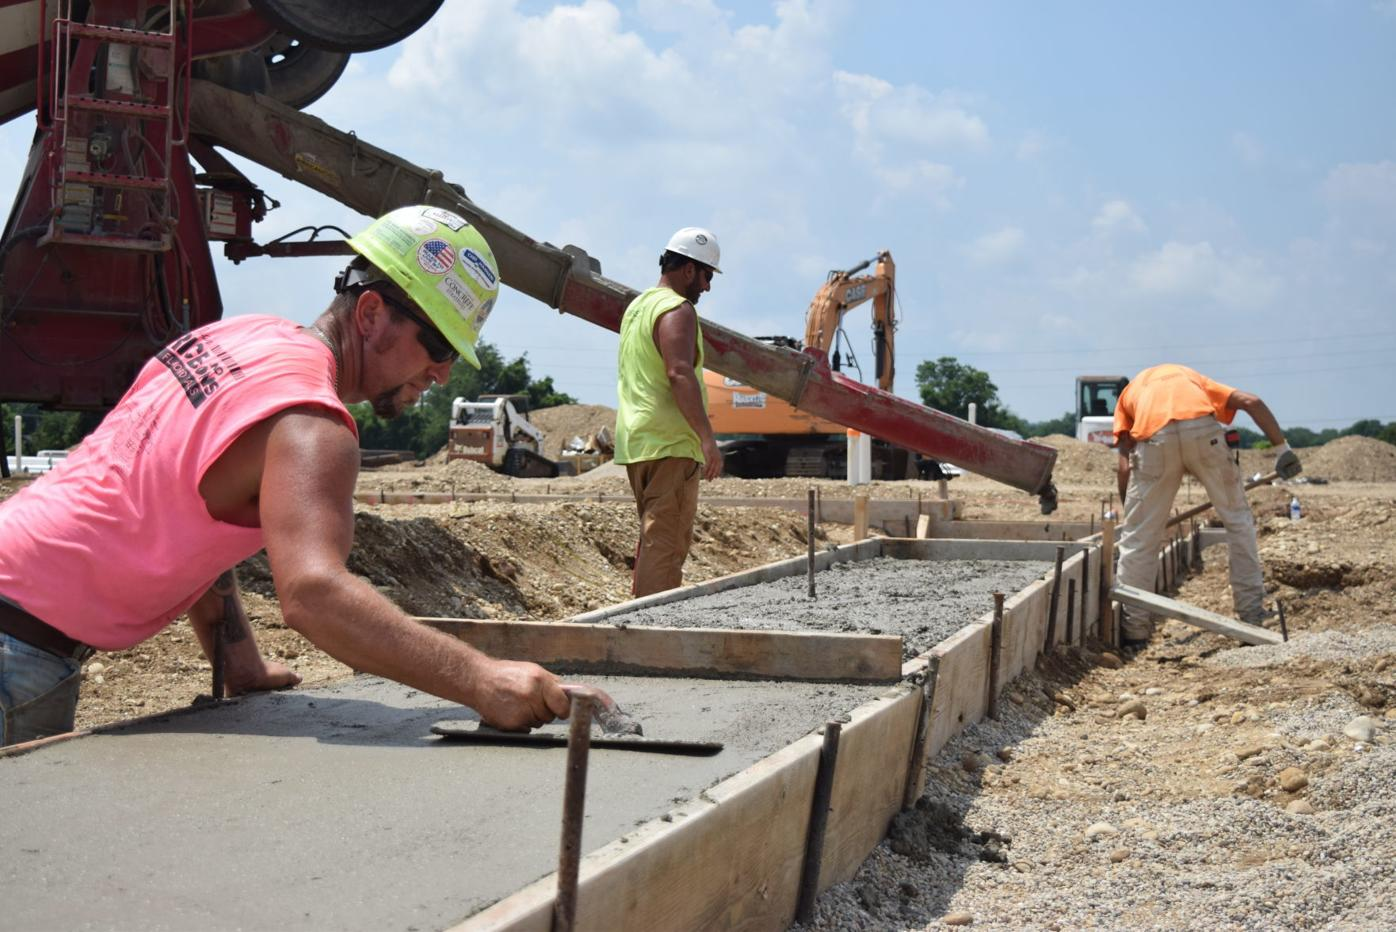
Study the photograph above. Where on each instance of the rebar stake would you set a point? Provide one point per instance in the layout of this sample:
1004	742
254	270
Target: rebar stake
818	821
995	650
573	810
1052	603
809	530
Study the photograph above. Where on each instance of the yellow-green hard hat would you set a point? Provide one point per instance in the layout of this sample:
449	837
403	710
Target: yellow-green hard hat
444	265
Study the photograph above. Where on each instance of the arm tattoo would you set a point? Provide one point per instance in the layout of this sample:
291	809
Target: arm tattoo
233	623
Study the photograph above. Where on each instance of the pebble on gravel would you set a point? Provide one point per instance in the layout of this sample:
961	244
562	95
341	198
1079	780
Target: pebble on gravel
1118	855
1249	751
1292	779
1133	708
1362	728
1300	807
1110	660
1101	828
958	919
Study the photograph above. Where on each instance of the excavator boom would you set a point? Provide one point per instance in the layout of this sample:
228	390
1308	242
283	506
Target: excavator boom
841	294
373	181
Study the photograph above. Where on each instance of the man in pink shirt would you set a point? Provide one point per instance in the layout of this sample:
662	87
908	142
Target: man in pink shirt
233	438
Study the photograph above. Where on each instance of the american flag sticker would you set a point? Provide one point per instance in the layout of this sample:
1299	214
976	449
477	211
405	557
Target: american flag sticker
436	256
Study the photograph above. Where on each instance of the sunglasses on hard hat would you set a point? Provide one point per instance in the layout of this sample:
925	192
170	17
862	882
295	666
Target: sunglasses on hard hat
436	345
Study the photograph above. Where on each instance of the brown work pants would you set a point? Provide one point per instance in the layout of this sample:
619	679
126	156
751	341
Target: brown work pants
666	494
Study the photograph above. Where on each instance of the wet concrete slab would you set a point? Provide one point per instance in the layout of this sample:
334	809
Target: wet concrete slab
336	807
924	601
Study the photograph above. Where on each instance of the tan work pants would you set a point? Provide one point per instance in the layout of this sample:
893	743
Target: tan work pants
666	494
1156	467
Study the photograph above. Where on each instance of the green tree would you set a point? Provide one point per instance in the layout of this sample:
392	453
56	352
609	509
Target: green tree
1066	424
951	386
423	427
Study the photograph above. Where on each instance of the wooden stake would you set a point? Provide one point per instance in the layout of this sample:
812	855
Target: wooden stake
860	516
818	822
995	650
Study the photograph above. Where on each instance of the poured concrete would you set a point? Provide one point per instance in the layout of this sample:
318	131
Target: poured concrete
924	601
336	808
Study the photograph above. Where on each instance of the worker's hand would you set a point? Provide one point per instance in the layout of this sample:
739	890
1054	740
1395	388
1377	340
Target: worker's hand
1287	462
712	459
269	675
517	696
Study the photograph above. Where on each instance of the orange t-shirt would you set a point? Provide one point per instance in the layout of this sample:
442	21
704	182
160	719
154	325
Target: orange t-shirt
1160	395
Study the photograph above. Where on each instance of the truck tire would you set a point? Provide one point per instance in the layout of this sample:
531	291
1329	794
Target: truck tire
347	25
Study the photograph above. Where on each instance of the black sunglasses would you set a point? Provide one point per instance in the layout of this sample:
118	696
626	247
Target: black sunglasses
431	339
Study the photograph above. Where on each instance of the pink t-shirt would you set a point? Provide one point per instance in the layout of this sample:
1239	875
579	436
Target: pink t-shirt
116	542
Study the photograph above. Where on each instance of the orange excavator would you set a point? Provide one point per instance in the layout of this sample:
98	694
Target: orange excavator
765	437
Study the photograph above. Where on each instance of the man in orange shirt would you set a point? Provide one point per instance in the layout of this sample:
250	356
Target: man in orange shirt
1169	422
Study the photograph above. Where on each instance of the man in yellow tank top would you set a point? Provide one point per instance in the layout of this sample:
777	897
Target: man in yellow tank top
663	437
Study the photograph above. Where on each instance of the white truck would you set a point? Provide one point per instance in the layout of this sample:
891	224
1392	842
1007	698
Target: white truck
495	430
1096	397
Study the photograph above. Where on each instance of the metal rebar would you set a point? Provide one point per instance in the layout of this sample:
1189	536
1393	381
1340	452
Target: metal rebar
1070	611
809	530
995	652
1284	628
923	732
818	821
573	810
1085	587
1052	603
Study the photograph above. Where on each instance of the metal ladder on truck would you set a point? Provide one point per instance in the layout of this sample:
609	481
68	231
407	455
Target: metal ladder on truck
113	143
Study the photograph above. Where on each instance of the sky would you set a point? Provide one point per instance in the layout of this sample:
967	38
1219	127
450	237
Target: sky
1066	188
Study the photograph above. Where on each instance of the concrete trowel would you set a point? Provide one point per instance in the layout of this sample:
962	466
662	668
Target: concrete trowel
619	731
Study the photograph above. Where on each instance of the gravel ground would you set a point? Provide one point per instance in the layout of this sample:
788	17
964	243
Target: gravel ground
999	846
1321	645
924	601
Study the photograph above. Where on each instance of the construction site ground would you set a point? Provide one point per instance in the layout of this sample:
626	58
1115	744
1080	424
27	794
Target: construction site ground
1228	795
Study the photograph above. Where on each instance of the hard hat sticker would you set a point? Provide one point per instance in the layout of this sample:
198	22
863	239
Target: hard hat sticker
422	226
436	256
455	221
479	269
460	295
393	237
701	240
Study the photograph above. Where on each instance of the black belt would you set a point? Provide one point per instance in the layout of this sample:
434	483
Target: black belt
18	623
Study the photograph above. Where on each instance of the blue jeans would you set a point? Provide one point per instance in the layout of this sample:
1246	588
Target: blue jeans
38	692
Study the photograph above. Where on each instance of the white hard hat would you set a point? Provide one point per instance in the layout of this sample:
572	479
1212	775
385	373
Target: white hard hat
698	244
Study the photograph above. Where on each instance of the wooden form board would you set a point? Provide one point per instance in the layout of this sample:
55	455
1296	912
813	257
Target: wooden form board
894	516
1191	614
1010	530
585	648
732	857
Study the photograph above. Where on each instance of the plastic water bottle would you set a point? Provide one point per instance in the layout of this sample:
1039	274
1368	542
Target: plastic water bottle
1294	511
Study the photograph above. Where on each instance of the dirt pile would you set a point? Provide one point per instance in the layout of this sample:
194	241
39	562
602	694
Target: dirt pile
563	422
1080	463
1352	459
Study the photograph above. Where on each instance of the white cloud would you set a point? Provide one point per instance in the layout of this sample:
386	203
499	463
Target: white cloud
1032	145
1368	186
883	114
1196	271
1117	216
996	248
1247	148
